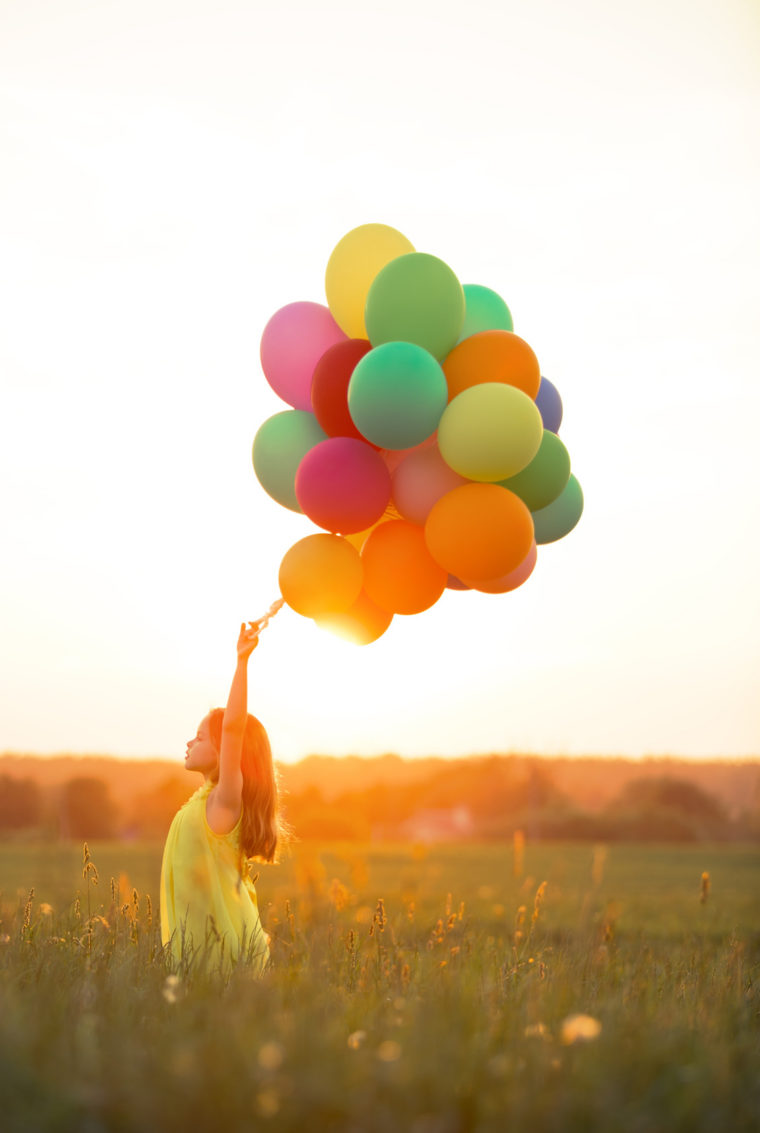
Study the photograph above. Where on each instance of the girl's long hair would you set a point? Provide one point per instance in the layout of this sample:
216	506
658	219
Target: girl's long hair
260	827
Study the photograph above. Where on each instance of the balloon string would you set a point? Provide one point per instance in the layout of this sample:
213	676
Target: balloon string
273	609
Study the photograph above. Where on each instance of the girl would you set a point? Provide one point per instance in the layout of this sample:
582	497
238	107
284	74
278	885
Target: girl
209	911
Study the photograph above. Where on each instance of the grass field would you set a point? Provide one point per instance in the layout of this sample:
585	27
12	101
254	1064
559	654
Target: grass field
434	991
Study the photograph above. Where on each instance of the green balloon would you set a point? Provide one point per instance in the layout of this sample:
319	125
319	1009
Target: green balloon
560	517
545	477
484	310
397	394
416	298
279	447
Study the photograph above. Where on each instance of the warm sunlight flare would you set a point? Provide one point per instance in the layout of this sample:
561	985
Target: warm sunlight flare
163	198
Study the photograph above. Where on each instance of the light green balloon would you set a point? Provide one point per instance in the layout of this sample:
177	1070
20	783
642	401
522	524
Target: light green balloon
490	431
416	298
560	517
279	447
545	477
396	395
484	310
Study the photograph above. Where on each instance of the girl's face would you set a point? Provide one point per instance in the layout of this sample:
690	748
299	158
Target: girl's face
201	754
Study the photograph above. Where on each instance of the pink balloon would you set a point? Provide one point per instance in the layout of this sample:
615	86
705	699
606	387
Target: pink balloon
419	481
343	485
511	580
294	340
394	456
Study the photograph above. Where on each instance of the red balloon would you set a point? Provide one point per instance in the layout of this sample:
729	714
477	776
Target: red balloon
329	387
343	485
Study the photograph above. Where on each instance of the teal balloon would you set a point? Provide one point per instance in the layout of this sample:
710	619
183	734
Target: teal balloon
416	298
397	394
560	517
544	479
484	310
279	447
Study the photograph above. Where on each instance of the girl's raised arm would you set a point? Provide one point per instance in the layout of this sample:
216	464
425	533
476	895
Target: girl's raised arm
224	803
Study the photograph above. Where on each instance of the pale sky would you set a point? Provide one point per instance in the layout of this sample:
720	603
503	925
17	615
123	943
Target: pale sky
174	171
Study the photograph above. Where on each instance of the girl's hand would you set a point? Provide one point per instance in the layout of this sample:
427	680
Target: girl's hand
247	640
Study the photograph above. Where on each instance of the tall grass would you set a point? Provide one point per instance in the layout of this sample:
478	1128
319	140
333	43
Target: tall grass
478	988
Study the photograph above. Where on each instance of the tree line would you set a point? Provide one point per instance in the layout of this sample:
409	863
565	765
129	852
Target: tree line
482	799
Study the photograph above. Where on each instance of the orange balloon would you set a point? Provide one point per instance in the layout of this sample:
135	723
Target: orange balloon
361	623
399	573
492	356
479	531
321	574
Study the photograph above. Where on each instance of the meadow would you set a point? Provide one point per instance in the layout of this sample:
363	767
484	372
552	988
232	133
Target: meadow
426	989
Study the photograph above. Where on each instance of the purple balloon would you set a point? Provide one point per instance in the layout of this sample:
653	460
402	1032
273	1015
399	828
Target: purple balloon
294	340
549	405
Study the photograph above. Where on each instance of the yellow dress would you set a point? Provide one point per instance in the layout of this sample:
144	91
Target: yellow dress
209	911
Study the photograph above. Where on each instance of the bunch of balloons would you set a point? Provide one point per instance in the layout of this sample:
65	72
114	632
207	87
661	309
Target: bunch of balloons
421	438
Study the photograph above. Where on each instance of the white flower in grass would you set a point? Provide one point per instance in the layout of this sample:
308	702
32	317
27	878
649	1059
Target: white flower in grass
580	1029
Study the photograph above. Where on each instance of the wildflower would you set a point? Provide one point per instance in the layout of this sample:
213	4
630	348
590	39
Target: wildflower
389	1051
705	888
356	1039
171	989
271	1056
268	1102
579	1028
45	909
5	939
338	894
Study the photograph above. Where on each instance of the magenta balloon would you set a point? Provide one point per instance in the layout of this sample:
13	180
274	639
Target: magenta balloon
419	481
294	340
511	580
343	485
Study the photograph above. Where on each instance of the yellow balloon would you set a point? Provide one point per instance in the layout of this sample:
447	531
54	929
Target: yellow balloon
489	427
352	267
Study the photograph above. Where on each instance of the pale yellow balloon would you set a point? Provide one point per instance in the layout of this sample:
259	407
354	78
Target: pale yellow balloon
355	261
